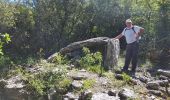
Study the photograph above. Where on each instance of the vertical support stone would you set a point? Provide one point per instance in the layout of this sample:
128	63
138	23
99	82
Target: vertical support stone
111	54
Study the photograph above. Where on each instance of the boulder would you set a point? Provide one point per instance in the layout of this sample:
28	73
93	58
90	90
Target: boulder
110	49
70	96
80	76
156	84
164	72
86	95
119	76
126	94
103	96
155	92
143	79
77	84
153	85
112	92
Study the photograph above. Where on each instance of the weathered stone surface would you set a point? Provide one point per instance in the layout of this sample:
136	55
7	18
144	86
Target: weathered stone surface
86	95
70	96
112	54
161	77
77	84
119	76
164	72
155	92
80	76
110	49
86	43
143	79
156	84
103	96
13	89
134	81
125	94
112	92
153	85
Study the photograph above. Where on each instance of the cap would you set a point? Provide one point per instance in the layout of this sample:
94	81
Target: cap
128	20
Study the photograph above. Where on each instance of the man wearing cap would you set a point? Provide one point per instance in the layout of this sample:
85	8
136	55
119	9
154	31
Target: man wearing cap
132	34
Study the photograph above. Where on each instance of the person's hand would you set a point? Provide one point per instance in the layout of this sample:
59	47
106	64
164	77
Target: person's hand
137	35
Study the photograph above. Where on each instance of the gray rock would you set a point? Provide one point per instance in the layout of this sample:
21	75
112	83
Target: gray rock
103	96
156	84
161	77
86	95
112	54
164	72
153	85
163	83
155	92
80	76
77	84
110	47
119	76
112	92
143	79
70	96
125	94
134	81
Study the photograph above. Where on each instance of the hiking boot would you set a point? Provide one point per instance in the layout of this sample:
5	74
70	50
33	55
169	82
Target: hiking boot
124	71
132	74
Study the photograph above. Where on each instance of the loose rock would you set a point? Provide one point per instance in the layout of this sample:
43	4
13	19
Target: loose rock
112	92
103	96
125	94
164	72
77	84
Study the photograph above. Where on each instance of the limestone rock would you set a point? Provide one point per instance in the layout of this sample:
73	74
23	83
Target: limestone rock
112	92
125	94
153	85
77	84
103	96
164	72
70	96
86	95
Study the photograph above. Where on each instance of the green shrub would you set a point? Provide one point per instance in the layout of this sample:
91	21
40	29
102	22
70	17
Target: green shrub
87	84
4	62
60	59
40	83
126	78
91	61
64	84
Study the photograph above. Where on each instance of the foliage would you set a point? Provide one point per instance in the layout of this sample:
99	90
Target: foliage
60	59
4	62
42	27
91	61
64	84
126	78
4	38
88	83
41	82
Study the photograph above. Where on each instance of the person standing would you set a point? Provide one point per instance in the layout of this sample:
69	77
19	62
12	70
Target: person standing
132	34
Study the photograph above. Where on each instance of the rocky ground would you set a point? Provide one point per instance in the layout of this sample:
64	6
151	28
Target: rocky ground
147	85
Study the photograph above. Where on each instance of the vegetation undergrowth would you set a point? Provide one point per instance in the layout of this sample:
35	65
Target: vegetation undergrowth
91	61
